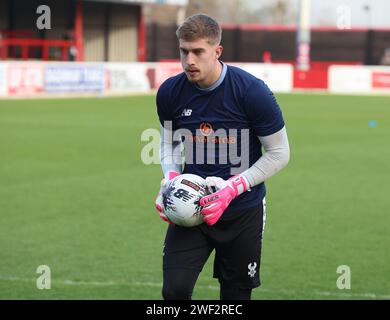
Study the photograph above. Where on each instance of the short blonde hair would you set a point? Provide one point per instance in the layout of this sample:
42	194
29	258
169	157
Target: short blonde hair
200	26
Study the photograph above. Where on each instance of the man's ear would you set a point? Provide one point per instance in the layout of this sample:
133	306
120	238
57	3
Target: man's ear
218	51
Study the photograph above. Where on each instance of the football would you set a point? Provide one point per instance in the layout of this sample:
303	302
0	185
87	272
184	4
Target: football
181	198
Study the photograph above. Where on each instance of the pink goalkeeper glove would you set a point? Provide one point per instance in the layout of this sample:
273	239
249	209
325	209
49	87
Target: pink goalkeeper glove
159	201
216	203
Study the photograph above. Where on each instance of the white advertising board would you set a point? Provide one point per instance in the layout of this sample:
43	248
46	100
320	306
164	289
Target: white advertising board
126	78
359	79
278	77
3	79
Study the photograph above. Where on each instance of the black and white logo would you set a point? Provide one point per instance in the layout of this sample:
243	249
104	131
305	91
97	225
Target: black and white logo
252	269
186	112
183	194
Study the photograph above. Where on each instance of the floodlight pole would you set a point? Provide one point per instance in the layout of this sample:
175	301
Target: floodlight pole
181	15
303	36
79	31
141	35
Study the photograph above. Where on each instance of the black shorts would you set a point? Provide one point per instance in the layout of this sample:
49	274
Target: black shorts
237	243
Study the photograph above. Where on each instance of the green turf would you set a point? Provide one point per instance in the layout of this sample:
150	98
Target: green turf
75	195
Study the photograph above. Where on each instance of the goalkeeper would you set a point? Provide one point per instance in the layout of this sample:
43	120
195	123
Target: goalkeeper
211	96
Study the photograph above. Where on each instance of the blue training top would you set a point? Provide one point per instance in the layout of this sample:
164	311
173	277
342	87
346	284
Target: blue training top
207	119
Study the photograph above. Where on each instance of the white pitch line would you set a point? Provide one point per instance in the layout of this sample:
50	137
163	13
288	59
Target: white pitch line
363	295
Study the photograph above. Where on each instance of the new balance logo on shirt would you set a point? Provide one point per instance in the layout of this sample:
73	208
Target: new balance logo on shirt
186	112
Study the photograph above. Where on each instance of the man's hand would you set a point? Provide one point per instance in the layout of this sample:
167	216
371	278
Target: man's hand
226	190
159	200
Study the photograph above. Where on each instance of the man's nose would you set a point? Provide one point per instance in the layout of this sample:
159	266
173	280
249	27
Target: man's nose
190	59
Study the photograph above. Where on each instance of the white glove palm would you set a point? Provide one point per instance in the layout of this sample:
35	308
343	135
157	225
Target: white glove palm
214	184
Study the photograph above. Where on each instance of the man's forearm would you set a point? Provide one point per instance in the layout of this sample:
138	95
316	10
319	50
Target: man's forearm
275	158
170	153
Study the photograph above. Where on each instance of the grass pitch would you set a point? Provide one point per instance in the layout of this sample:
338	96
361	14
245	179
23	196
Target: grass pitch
75	195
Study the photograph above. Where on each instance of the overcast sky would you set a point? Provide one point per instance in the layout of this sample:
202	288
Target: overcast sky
327	12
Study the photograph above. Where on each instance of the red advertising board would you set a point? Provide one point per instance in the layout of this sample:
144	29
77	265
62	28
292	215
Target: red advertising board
381	80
